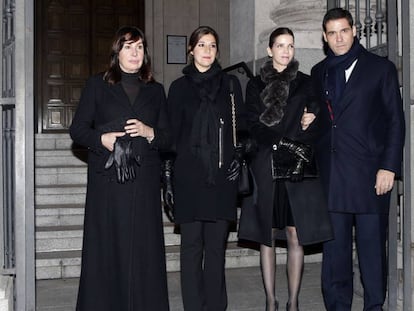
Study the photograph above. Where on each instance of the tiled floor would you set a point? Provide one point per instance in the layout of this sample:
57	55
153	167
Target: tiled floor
244	286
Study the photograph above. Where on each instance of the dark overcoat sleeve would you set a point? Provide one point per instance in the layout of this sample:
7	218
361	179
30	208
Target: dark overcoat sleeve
395	126
161	125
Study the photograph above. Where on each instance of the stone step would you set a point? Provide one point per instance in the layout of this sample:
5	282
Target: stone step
60	194
56	265
64	215
63	157
60	175
55	239
59	215
69	238
66	264
53	141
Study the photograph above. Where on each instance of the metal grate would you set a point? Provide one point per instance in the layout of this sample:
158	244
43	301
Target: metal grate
369	23
8	182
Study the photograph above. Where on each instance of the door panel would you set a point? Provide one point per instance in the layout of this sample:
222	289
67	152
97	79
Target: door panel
73	41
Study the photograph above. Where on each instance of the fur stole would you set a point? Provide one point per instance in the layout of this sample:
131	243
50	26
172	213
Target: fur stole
276	91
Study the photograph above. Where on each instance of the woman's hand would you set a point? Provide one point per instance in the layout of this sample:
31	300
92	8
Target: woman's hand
137	128
108	139
307	119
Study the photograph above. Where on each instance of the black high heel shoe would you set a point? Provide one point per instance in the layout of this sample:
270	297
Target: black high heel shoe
276	305
288	306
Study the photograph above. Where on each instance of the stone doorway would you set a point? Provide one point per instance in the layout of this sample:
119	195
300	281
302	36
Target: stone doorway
72	42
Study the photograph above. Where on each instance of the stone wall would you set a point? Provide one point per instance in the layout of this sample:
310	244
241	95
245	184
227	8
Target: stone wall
251	23
181	17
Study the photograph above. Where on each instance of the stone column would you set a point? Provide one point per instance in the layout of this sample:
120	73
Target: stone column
304	17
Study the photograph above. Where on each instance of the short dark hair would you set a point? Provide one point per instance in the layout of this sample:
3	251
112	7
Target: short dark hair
124	34
277	32
198	33
337	13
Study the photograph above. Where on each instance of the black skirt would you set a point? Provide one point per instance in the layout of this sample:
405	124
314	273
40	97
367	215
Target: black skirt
282	212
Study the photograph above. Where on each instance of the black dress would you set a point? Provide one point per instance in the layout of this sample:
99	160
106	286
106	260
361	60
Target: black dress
282	213
123	255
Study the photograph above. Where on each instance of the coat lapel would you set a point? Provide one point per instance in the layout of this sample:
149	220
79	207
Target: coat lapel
121	97
144	97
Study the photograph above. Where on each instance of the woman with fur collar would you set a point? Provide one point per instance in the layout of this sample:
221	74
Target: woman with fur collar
292	208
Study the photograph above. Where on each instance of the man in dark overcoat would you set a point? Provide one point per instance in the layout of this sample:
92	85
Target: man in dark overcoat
360	153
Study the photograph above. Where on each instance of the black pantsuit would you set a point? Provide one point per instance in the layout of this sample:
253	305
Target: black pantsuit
207	285
204	199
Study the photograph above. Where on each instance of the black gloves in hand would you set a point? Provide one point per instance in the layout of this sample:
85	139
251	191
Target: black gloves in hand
248	144
297	171
233	171
167	188
123	159
299	150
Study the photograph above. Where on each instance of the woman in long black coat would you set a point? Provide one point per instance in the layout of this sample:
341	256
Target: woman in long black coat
275	102
122	120
204	199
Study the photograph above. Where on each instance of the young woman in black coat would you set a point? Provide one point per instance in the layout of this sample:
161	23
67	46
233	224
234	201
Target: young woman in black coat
204	199
122	120
275	102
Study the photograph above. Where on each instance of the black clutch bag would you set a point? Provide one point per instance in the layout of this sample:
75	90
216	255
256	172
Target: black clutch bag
283	163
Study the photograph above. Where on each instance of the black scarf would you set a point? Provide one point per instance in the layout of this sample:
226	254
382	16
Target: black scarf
204	132
335	72
276	92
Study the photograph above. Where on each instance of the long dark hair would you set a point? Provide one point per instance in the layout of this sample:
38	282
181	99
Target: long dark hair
196	36
278	32
124	34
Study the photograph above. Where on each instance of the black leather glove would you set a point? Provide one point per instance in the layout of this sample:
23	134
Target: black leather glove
167	188
247	142
299	150
123	159
233	171
297	172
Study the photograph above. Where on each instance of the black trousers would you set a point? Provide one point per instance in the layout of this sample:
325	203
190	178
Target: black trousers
203	283
337	264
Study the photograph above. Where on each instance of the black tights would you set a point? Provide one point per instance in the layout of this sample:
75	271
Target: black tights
294	270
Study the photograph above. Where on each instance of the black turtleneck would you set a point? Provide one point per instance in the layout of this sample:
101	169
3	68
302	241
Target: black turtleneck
131	84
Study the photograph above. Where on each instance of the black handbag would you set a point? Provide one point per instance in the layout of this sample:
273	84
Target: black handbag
283	163
245	179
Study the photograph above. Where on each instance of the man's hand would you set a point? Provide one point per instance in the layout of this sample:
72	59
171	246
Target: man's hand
307	119
384	182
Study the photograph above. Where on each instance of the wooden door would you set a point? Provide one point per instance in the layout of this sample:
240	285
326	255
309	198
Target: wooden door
73	39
